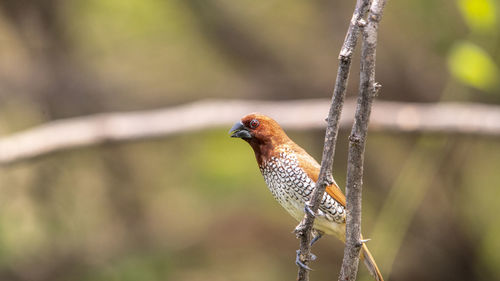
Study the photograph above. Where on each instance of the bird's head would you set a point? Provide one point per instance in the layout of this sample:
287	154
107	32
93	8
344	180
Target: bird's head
260	131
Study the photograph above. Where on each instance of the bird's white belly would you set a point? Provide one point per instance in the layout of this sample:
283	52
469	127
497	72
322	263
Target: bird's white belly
321	222
292	187
294	208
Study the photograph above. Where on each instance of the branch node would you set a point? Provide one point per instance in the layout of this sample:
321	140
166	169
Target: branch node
344	55
329	179
361	22
375	17
299	229
354	139
376	88
359	244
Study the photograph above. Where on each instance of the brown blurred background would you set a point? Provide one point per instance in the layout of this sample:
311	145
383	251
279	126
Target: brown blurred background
194	206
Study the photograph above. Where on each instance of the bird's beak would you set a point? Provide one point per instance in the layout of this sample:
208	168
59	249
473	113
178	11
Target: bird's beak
240	131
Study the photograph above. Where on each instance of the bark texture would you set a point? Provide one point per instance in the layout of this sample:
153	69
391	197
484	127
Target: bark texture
368	89
303	230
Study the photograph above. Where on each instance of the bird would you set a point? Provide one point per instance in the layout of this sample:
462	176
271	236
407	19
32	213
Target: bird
291	174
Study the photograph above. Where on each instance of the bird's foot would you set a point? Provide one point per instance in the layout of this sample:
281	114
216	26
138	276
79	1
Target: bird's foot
307	209
302	265
317	236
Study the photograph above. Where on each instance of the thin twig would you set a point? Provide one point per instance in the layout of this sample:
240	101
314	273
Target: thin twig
368	89
73	133
303	230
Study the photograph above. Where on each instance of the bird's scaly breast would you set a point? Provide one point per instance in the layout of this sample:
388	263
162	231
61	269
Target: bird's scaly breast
292	187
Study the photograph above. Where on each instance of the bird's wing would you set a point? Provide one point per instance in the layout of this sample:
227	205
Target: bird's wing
311	167
337	194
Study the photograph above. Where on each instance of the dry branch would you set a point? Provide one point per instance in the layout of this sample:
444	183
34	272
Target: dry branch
73	133
367	91
304	228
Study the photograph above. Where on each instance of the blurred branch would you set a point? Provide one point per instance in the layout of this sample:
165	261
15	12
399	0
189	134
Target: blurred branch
325	178
64	134
368	89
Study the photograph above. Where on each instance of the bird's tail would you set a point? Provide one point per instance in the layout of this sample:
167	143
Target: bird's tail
369	261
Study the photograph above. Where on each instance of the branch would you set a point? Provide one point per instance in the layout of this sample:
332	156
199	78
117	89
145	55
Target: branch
367	91
303	230
73	133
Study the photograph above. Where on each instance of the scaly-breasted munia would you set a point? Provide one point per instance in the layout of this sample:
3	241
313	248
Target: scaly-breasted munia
291	173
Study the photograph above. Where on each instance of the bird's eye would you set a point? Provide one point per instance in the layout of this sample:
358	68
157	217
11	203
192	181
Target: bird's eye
254	123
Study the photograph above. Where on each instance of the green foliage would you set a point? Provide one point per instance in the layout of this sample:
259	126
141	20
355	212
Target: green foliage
480	15
471	65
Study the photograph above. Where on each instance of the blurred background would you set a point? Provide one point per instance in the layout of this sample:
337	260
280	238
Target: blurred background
194	206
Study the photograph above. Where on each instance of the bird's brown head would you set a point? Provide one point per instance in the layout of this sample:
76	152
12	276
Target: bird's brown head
261	132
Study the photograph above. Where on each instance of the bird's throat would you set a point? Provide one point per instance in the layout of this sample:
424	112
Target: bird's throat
263	151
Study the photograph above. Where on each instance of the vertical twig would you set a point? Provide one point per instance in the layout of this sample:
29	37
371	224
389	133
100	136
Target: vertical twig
303	230
367	91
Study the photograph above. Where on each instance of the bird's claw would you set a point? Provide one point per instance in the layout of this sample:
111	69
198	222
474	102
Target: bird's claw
316	238
300	264
307	209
